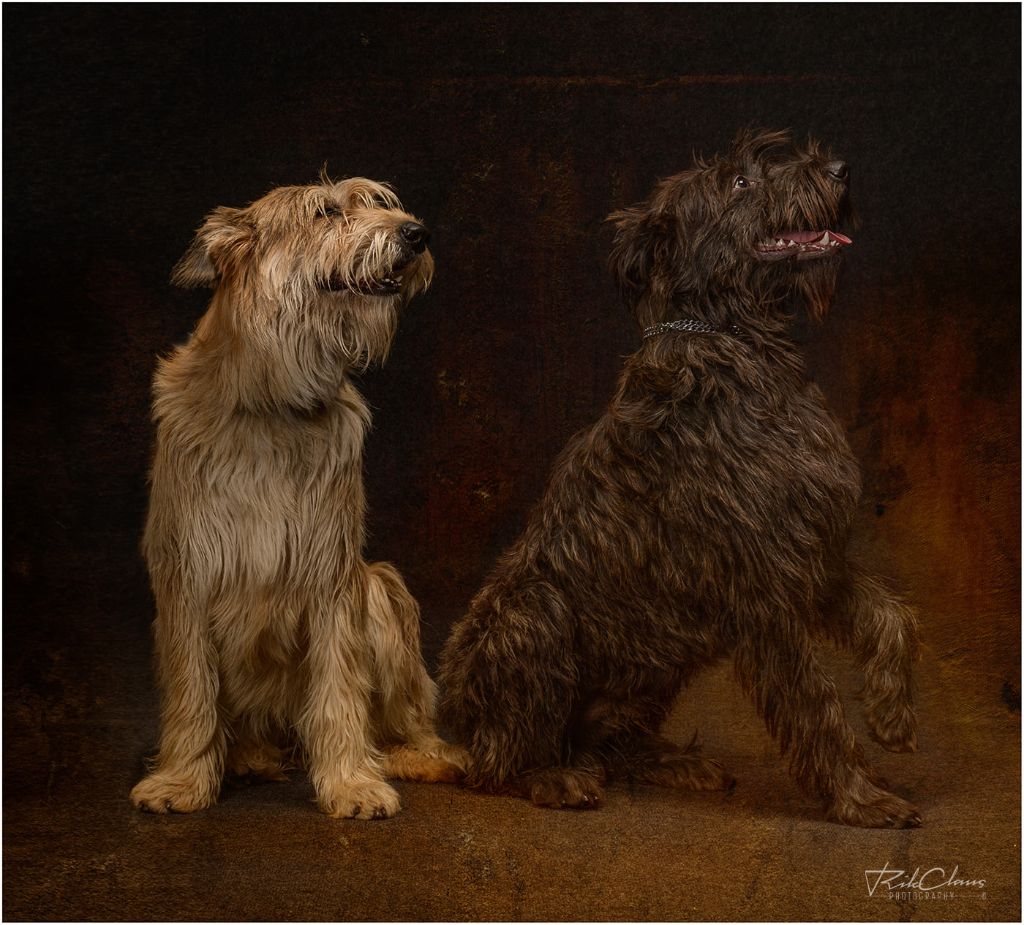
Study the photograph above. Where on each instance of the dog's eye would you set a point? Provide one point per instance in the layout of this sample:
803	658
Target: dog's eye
740	183
330	211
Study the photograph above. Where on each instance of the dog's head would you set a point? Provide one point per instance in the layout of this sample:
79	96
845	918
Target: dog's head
758	223
338	257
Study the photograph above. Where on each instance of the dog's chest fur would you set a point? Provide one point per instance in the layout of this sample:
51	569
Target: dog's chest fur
709	473
756	463
266	490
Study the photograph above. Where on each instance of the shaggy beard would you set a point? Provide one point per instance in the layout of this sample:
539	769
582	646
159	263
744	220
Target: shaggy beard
367	331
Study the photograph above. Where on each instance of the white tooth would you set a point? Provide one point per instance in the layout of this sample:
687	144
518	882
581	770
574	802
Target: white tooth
825	239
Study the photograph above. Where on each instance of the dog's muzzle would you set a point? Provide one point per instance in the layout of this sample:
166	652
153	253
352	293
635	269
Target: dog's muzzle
414	237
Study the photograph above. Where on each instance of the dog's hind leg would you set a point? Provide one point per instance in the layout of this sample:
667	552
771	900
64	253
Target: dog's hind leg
775	662
509	689
862	614
335	726
404	693
189	768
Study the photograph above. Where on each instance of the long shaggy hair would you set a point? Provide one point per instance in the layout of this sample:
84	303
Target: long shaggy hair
271	631
705	515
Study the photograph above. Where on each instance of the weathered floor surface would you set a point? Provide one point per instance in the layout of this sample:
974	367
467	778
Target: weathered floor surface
75	849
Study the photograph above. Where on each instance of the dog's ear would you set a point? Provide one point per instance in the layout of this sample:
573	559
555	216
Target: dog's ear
219	240
639	237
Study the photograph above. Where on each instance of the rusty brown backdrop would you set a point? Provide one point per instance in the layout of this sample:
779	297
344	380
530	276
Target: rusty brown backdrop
512	132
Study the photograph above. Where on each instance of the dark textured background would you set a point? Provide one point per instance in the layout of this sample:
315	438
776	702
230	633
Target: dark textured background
512	132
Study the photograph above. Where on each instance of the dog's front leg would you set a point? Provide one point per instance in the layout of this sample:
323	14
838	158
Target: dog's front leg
343	764
190	765
864	615
775	661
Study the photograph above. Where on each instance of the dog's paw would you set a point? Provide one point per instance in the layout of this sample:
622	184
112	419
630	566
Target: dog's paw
896	731
564	788
363	800
260	760
432	766
162	792
883	810
454	755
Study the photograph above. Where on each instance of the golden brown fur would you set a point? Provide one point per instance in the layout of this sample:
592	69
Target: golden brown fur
270	627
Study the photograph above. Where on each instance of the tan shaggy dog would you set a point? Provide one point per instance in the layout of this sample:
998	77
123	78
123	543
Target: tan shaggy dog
271	629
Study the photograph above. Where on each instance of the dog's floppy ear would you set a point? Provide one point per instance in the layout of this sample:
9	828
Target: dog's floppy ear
220	238
640	235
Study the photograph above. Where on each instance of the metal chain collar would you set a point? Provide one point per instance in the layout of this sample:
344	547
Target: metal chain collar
692	325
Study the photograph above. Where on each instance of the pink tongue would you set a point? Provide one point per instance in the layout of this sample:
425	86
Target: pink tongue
809	237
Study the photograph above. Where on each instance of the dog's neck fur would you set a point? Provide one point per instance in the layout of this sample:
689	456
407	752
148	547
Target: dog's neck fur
762	320
299	370
676	364
751	312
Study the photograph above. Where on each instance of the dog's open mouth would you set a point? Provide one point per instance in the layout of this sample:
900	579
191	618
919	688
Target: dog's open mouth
388	285
804	245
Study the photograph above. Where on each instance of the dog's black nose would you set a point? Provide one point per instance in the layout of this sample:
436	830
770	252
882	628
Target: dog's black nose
415	235
838	170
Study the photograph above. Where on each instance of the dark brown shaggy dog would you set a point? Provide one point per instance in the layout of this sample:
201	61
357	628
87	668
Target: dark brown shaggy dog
704	515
